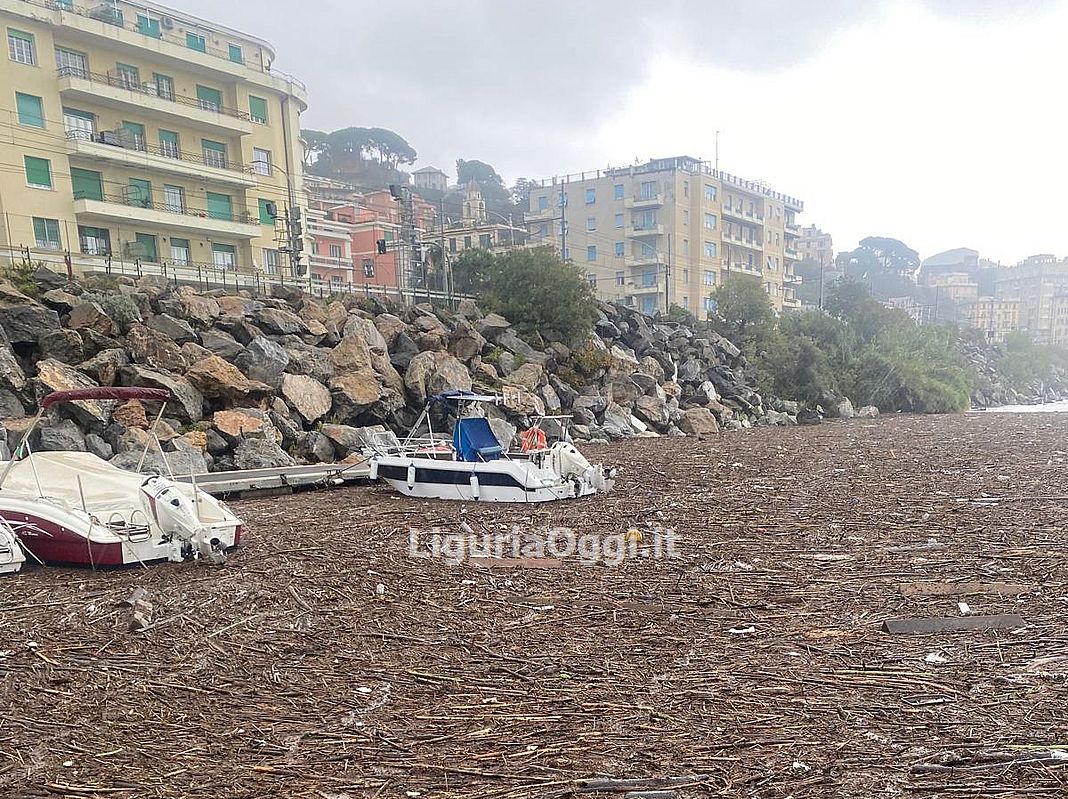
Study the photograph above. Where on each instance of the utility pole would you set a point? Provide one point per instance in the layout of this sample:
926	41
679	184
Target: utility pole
445	265
821	284
563	223
667	276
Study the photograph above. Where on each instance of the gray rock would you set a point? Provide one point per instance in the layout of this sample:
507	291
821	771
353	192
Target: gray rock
607	329
505	363
10	407
698	422
594	404
23	319
310	398
222	344
260	453
314	447
492	324
98	446
177	330
503	431
465	342
105	365
510	340
844	409
185	399
11	375
433	372
868	412
60	300
653	411
779	419
63	345
311	361
264	361
402	351
691	370
624	391
61	436
279	321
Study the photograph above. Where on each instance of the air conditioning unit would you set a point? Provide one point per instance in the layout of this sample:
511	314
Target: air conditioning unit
167	22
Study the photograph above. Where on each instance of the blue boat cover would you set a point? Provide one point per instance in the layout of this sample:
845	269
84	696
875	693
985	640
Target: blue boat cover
473	440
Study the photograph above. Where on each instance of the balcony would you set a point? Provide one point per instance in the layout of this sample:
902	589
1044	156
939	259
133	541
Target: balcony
793	230
639	203
116	91
791	279
792	254
652	259
326	262
638	231
544	215
85	146
125	210
791	302
736	238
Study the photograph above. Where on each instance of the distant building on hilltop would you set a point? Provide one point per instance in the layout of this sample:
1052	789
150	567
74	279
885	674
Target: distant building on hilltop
815	245
477	230
667	232
430	177
996	318
1038	283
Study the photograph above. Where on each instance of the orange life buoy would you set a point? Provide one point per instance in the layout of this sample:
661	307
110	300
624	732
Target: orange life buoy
532	439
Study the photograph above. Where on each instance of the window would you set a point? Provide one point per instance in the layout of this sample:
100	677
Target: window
261	162
485	240
164	85
78	124
138	193
208	98
194	41
46	234
648	220
619	220
649	305
710	249
543	203
129	77
180	251
214	153
617	191
145	247
685	188
591	196
685	246
235	54
591	223
220	206
136	132
30	110
266	218
87	185
257	109
335	250
708	304
648	190
710	221
709	278
168	144
647	250
685	302
710	192
620	249
591	253
685	217
467	242
649	277
685	275
38	172
224	256
20	47
174	199
70	63
621	278
148	26
270	262
452	245
94	240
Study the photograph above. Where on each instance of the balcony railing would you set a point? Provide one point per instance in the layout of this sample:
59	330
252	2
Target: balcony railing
150	90
171	206
176	153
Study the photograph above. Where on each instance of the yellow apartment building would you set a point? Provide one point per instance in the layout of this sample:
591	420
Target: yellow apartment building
996	318
134	133
1035	282
667	232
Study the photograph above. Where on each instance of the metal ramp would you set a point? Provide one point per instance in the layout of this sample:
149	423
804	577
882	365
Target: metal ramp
250	482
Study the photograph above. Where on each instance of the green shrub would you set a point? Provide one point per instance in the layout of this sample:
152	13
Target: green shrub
122	310
22	276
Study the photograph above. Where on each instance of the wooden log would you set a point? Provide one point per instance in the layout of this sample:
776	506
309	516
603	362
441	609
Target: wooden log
951	624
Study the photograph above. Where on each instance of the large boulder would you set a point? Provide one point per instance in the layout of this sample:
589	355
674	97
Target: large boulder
279	321
314	362
314	447
844	409
177	330
217	378
433	372
402	350
493	324
264	361
11	375
222	344
653	411
131	414
260	453
625	391
390	327
308	397
527	376
465	342
60	300
698	422
63	345
351	354
23	319
868	412
367	330
63	436
53	375
11	407
354	392
201	311
154	349
346	439
91	316
237	424
510	340
105	365
186	400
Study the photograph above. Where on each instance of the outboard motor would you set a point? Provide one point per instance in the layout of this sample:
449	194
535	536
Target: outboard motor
176	516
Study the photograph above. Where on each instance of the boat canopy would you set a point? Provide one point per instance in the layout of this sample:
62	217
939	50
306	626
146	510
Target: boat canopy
473	440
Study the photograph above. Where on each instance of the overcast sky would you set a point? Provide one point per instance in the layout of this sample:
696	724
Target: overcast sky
939	122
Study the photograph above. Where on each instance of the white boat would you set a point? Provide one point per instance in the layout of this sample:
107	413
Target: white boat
475	467
11	557
75	508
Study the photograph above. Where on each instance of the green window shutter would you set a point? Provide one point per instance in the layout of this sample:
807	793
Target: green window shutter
265	216
220	206
235	54
146	245
87	184
139	193
38	171
257	109
215	146
209	98
46	233
148	27
30	110
194	41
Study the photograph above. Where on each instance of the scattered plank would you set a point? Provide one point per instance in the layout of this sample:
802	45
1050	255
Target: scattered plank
516	563
962	589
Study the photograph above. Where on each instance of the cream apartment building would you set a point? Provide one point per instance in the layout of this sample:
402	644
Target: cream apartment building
137	133
667	232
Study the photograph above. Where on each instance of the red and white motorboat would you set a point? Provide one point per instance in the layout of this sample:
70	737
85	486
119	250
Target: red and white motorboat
75	508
